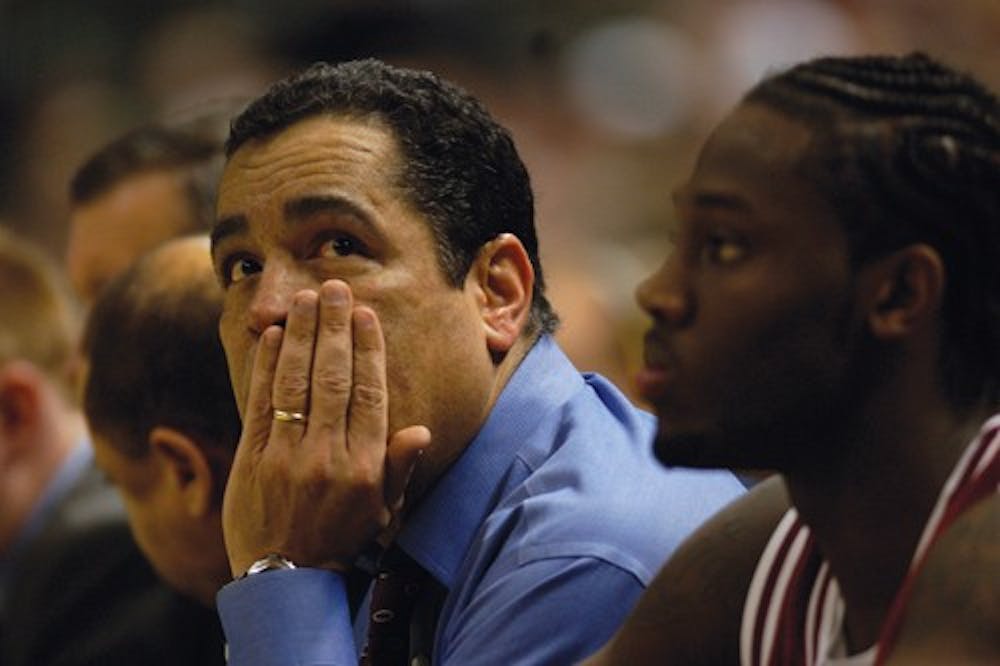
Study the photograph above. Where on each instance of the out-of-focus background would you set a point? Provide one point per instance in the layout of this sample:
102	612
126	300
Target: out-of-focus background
607	100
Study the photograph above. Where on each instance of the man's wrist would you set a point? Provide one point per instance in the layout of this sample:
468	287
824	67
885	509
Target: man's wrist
265	616
270	562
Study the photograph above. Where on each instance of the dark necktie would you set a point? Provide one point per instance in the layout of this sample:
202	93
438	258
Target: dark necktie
400	584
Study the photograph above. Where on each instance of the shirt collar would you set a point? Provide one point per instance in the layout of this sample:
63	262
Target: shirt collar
438	533
62	482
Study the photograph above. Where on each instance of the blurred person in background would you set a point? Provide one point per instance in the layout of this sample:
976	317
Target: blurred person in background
161	411
830	309
74	589
151	184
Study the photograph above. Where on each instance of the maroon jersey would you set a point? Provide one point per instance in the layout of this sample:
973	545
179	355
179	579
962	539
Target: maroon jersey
794	611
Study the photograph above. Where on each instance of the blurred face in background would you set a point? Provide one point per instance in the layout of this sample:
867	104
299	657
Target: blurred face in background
108	233
178	532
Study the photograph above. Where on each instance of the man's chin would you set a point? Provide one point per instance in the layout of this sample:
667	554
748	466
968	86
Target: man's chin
752	450
700	449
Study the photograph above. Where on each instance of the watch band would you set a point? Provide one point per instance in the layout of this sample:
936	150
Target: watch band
269	562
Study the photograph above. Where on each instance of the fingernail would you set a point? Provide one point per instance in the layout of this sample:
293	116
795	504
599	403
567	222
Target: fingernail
364	318
303	298
334	293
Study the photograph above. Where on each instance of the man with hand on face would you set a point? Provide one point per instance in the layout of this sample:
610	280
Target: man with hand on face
383	300
831	310
162	415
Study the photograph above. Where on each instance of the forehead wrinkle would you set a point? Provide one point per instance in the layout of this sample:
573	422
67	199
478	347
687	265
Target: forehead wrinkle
321	165
309	205
343	159
282	151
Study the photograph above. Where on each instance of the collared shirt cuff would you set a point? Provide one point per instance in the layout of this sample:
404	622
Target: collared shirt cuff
290	617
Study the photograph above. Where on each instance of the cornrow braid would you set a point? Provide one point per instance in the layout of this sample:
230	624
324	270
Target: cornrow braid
907	151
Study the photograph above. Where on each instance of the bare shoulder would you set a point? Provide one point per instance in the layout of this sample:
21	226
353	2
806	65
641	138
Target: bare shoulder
954	613
690	614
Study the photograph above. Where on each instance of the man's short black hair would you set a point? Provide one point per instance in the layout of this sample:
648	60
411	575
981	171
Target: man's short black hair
460	167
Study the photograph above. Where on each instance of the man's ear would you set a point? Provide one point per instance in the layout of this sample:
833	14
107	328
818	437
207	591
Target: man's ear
504	280
20	399
909	287
186	467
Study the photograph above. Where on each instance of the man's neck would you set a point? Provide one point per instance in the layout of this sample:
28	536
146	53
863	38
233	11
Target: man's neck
867	504
439	458
24	483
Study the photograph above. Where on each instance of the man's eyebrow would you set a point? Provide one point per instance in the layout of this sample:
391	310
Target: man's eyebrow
709	199
302	209
228	226
720	200
296	210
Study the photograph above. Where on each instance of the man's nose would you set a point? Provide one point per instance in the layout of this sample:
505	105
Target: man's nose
276	286
666	296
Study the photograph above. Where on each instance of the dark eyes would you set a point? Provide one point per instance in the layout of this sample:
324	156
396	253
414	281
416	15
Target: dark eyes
340	245
724	249
240	267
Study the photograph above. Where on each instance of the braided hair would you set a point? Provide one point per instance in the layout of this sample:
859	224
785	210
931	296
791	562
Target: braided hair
907	151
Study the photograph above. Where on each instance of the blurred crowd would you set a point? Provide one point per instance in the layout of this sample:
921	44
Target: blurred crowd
606	100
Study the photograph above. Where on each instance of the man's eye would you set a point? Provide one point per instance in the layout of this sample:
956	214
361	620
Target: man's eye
721	249
341	246
241	267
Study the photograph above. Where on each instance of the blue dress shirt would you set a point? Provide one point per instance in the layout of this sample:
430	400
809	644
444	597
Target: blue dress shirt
544	532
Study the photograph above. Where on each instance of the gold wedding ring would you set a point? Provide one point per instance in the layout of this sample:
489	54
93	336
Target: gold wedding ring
289	417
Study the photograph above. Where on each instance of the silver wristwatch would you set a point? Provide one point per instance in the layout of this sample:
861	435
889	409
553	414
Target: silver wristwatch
269	562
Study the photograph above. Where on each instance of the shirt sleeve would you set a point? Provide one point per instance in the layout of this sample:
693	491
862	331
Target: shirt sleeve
549	611
297	617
